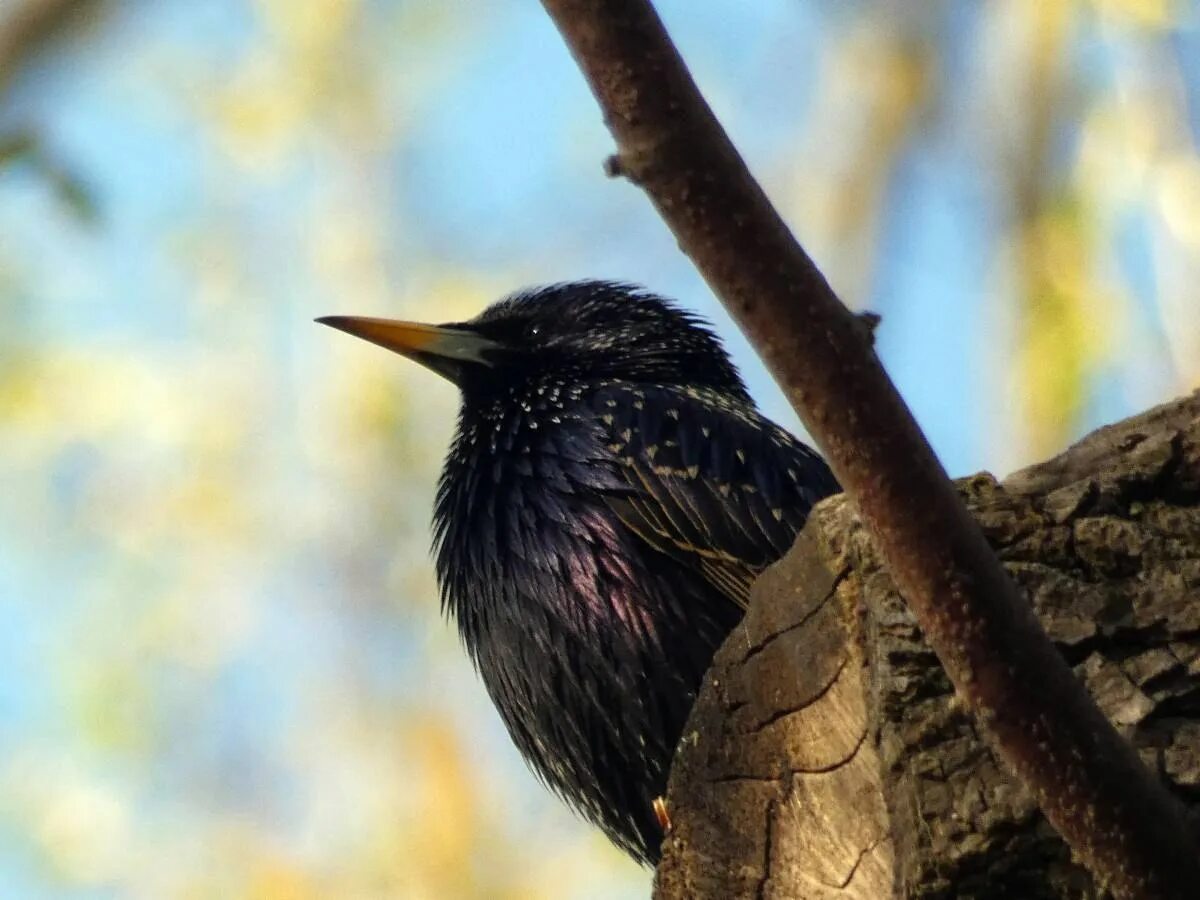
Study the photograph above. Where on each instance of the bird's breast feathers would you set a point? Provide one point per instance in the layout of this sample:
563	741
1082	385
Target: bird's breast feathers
625	468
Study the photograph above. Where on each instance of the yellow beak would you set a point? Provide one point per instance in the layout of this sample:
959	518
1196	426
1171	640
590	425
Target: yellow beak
444	349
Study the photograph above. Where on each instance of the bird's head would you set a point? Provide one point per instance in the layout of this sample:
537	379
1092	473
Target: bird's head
587	330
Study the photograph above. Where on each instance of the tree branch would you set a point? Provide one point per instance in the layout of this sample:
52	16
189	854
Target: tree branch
27	26
777	793
1088	781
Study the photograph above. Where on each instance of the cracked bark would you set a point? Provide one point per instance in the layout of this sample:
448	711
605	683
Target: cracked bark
827	755
1088	781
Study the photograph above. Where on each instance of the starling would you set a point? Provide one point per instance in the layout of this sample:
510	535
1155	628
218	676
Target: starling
608	499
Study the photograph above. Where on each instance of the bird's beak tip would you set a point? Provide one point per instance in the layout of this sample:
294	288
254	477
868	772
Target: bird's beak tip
441	348
401	337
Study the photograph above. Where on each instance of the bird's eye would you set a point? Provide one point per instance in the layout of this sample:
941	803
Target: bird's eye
534	329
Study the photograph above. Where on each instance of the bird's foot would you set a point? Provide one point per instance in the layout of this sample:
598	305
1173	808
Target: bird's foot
660	812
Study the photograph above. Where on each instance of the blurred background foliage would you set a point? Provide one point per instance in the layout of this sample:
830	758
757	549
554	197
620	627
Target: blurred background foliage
222	668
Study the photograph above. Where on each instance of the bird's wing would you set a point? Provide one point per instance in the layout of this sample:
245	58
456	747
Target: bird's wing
709	481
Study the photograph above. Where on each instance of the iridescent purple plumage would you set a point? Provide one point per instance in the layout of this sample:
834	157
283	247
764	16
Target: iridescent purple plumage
610	495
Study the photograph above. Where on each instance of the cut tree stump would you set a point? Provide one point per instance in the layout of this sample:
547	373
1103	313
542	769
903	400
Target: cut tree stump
827	755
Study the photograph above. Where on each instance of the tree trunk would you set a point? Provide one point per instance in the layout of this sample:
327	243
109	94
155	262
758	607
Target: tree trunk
827	755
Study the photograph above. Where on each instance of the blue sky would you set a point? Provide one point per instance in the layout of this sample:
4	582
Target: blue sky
250	171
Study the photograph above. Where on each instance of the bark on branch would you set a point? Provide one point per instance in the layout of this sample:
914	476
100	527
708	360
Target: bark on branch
828	755
1089	782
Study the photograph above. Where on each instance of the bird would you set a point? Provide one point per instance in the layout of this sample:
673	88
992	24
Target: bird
608	498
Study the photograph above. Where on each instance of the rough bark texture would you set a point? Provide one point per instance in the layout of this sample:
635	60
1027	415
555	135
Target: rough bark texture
1087	780
828	755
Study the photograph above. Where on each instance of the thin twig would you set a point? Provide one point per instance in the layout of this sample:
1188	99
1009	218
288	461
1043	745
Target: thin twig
26	26
1088	781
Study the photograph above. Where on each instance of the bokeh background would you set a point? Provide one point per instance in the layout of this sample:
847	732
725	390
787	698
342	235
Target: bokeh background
223	671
